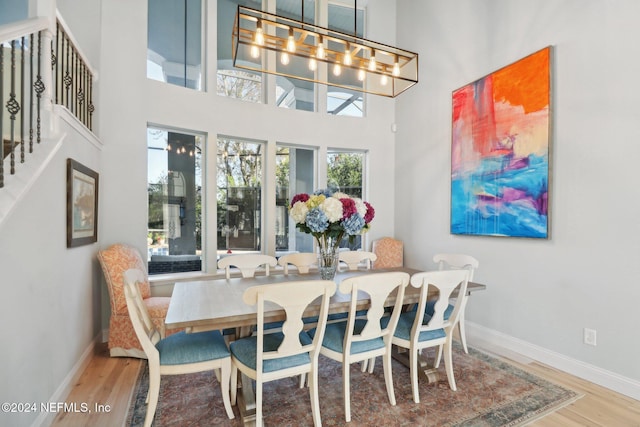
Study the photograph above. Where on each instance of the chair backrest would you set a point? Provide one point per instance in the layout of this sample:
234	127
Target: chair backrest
115	260
354	259
445	281
302	260
247	263
456	261
377	287
146	332
294	298
389	252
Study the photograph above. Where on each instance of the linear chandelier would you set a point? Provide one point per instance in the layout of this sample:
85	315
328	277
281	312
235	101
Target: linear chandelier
320	55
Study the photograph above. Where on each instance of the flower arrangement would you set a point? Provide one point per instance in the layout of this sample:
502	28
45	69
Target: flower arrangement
329	216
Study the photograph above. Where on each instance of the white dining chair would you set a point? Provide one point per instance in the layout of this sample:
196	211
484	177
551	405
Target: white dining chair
417	330
180	353
303	261
357	339
355	259
247	263
451	261
265	357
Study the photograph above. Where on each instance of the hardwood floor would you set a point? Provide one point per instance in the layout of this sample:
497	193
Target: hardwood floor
110	381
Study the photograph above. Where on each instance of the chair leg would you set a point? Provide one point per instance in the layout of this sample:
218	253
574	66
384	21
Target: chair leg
388	377
364	363
372	363
234	383
346	391
258	404
436	362
303	379
448	364
225	374
413	371
463	335
152	396
313	395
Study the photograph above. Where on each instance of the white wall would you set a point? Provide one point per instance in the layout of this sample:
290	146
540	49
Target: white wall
543	292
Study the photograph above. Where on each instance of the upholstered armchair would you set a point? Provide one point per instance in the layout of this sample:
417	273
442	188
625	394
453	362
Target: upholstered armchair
115	260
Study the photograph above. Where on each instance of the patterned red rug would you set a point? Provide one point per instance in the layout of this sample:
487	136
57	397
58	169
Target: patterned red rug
490	392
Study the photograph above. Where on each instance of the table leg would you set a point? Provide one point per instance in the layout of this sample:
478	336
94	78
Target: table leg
246	398
426	372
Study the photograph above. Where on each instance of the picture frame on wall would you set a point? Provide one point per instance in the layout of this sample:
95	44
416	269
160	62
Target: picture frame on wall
500	151
82	204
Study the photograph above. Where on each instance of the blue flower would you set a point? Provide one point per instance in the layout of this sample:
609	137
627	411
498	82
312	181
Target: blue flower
317	221
325	192
353	224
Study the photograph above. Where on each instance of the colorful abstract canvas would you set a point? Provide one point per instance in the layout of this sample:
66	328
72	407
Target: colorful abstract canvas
500	151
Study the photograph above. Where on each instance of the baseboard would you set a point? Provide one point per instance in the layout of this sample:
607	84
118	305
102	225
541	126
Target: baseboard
502	344
60	395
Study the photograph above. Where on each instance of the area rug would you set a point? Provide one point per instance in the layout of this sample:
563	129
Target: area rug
491	392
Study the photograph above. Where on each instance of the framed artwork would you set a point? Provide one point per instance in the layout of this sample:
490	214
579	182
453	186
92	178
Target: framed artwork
82	204
500	151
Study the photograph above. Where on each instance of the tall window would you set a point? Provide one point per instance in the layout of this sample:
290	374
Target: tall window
174	42
239	195
341	101
174	185
293	93
345	174
295	173
234	82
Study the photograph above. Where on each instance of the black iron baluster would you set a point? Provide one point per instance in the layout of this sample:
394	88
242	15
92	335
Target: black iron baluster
67	75
31	90
1	116
22	71
39	86
13	107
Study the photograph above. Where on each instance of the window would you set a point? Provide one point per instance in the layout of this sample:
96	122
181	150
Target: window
341	101
174	42
295	173
293	93
233	82
345	174
239	194
174	232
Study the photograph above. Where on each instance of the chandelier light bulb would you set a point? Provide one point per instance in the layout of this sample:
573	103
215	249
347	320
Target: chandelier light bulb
255	51
347	56
284	58
396	68
320	54
291	42
383	80
361	74
372	61
337	69
259	34
313	64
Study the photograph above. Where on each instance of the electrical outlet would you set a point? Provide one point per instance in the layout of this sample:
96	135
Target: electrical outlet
590	336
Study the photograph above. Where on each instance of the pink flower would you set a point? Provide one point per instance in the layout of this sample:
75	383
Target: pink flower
348	207
302	197
368	217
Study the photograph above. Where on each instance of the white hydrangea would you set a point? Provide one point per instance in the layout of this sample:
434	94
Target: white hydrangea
332	208
339	195
360	206
299	212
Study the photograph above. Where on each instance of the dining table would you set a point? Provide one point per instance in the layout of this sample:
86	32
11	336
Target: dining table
217	304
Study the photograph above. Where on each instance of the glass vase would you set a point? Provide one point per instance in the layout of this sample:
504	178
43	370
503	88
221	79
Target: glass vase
327	258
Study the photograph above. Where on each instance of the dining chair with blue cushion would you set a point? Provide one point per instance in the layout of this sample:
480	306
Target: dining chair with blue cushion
303	261
358	339
180	353
417	330
451	261
266	357
356	259
247	264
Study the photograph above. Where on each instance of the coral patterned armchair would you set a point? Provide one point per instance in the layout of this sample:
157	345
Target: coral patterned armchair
389	252
115	260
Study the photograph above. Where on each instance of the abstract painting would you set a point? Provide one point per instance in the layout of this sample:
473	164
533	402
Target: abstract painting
500	151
